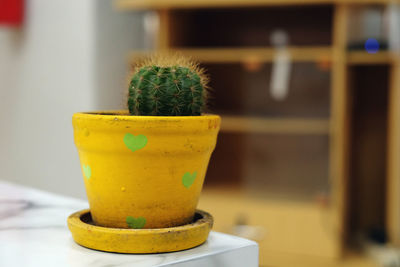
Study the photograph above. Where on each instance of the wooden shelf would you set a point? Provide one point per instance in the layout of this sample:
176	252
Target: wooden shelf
313	231
252	55
267	215
180	4
262	55
263	125
363	58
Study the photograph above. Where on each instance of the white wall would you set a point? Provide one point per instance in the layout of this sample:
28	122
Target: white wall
116	34
68	57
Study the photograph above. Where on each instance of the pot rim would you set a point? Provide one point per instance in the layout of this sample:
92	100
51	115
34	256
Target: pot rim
124	115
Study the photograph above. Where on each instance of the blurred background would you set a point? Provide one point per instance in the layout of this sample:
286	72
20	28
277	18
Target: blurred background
308	158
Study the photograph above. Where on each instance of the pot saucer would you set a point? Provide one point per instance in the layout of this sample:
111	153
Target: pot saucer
120	240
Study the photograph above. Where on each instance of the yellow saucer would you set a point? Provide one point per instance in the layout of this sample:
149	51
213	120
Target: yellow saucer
86	234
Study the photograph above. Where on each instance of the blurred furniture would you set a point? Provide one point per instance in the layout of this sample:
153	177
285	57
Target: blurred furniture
303	172
34	233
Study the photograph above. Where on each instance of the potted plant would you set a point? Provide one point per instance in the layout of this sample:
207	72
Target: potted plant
144	168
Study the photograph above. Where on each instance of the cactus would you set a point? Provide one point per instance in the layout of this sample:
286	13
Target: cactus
171	86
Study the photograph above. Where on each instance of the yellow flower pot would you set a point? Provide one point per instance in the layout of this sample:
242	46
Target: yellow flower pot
143	171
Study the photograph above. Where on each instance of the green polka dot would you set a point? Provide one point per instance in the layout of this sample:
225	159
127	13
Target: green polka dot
135	223
87	171
135	142
188	179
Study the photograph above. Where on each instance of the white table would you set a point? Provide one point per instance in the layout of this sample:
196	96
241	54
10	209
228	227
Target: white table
33	232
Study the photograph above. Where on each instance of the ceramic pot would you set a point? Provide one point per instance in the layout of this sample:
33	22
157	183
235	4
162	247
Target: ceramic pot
143	171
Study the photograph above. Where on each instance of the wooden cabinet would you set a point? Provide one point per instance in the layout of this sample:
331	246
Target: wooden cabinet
291	166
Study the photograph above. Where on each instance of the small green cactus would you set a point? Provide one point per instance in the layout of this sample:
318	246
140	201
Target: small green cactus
171	86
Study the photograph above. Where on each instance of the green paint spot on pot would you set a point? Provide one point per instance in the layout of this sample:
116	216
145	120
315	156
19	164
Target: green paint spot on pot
135	223
135	142
188	179
87	171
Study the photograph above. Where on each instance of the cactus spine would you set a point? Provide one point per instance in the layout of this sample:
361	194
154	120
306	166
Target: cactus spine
170	86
